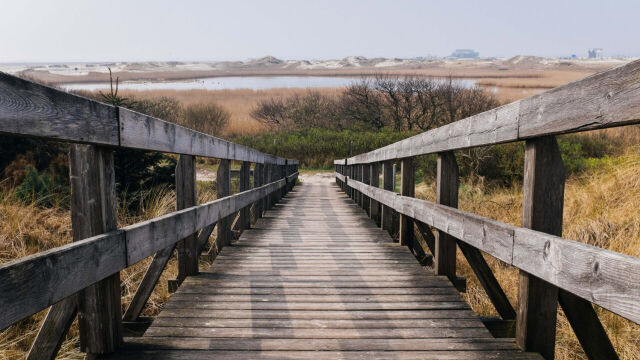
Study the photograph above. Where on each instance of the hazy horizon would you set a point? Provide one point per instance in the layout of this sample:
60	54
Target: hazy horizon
197	30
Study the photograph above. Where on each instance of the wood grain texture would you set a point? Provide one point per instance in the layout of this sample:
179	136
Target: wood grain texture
542	207
407	188
186	197
140	131
53	330
33	283
281	287
93	212
31	109
244	221
447	183
600	276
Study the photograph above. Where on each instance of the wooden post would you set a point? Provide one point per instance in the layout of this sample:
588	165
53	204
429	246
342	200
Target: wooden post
223	180
366	178
258	179
93	212
244	222
387	184
407	188
543	200
446	194
186	197
374	206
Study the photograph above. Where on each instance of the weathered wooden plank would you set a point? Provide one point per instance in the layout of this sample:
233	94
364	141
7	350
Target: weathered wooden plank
33	283
148	283
609	98
315	333
323	344
141	131
447	183
148	237
186	197
605	278
407	188
53	329
587	326
31	109
542	204
244	221
93	212
164	321
387	184
488	281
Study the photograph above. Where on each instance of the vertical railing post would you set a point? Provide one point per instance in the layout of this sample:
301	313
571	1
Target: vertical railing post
186	197
93	212
244	221
258	179
407	188
374	180
446	194
223	180
387	184
542	207
366	178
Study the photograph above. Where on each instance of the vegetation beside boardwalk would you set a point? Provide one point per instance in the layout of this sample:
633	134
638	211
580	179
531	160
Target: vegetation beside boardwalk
601	200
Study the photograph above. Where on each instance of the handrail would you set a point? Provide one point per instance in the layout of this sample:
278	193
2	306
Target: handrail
31	109
553	270
603	100
603	277
32	283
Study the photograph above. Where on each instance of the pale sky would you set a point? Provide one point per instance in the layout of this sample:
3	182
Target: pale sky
198	30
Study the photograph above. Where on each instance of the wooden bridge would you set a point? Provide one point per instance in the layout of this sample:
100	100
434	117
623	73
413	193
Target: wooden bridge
313	275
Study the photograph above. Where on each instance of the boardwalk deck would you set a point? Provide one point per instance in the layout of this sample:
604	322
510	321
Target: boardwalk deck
315	278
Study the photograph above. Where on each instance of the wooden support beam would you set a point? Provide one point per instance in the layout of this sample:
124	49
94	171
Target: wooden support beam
148	283
500	328
542	206
387	184
374	206
447	194
488	281
407	188
587	327
186	197
223	181
244	222
93	212
53	329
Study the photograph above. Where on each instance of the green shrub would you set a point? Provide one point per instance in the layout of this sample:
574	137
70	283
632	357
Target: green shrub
42	189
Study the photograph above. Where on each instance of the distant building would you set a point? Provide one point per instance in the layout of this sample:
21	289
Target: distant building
465	54
595	53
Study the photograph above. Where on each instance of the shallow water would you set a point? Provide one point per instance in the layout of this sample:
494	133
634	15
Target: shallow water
234	82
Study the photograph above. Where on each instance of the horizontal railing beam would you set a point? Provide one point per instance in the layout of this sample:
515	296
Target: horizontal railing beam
31	109
33	283
603	277
607	99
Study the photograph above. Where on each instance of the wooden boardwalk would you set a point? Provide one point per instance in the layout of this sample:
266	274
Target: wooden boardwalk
315	278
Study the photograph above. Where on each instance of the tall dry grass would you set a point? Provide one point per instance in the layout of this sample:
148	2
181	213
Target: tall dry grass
26	228
239	103
601	209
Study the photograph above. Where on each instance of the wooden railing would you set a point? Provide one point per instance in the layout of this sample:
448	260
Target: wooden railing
83	277
552	269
